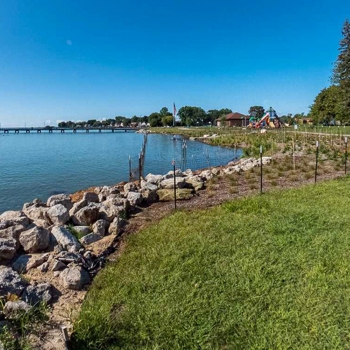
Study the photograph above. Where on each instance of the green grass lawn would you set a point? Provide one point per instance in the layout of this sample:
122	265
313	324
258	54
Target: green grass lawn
268	272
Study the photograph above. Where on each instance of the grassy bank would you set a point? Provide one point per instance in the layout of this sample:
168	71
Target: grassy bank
268	272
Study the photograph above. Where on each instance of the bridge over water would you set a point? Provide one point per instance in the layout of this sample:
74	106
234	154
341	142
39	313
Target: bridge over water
51	130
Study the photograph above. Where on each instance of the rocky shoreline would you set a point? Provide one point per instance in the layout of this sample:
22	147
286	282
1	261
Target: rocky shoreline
50	252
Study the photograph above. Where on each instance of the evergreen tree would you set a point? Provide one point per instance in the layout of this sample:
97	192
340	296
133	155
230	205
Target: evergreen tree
341	72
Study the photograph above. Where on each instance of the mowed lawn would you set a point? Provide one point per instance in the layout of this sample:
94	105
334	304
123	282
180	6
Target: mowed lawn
266	272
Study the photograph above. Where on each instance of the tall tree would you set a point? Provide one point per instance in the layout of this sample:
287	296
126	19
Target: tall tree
257	111
328	106
164	112
192	115
341	71
155	119
214	114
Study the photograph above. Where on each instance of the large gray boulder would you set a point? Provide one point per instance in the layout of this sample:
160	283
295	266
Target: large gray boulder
116	225
130	186
26	262
35	210
35	239
12	218
62	198
154	179
170	174
169	183
195	182
86	216
149	196
35	294
12	232
168	195
148	186
100	227
77	206
65	239
7	248
11	282
74	278
135	198
58	214
90	238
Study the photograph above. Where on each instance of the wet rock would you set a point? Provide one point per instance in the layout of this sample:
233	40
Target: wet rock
35	239
7	248
65	239
58	215
74	278
11	282
35	294
100	227
87	215
62	198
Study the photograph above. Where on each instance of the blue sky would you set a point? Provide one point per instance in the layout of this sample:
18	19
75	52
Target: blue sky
78	60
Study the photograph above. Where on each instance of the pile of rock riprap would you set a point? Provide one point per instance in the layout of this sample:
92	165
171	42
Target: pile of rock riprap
43	236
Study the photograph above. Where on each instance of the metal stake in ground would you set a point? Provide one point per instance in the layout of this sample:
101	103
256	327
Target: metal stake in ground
316	161
346	152
174	184
261	171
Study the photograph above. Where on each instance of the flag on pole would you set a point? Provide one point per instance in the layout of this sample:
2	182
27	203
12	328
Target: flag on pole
175	110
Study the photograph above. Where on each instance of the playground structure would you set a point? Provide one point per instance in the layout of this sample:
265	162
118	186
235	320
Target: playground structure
269	120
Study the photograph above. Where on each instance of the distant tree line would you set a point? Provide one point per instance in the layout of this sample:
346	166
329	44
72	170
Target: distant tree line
332	104
186	116
189	116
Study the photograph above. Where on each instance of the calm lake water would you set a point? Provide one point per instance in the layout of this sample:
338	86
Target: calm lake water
39	165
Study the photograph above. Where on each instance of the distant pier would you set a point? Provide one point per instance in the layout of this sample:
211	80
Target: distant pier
50	130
